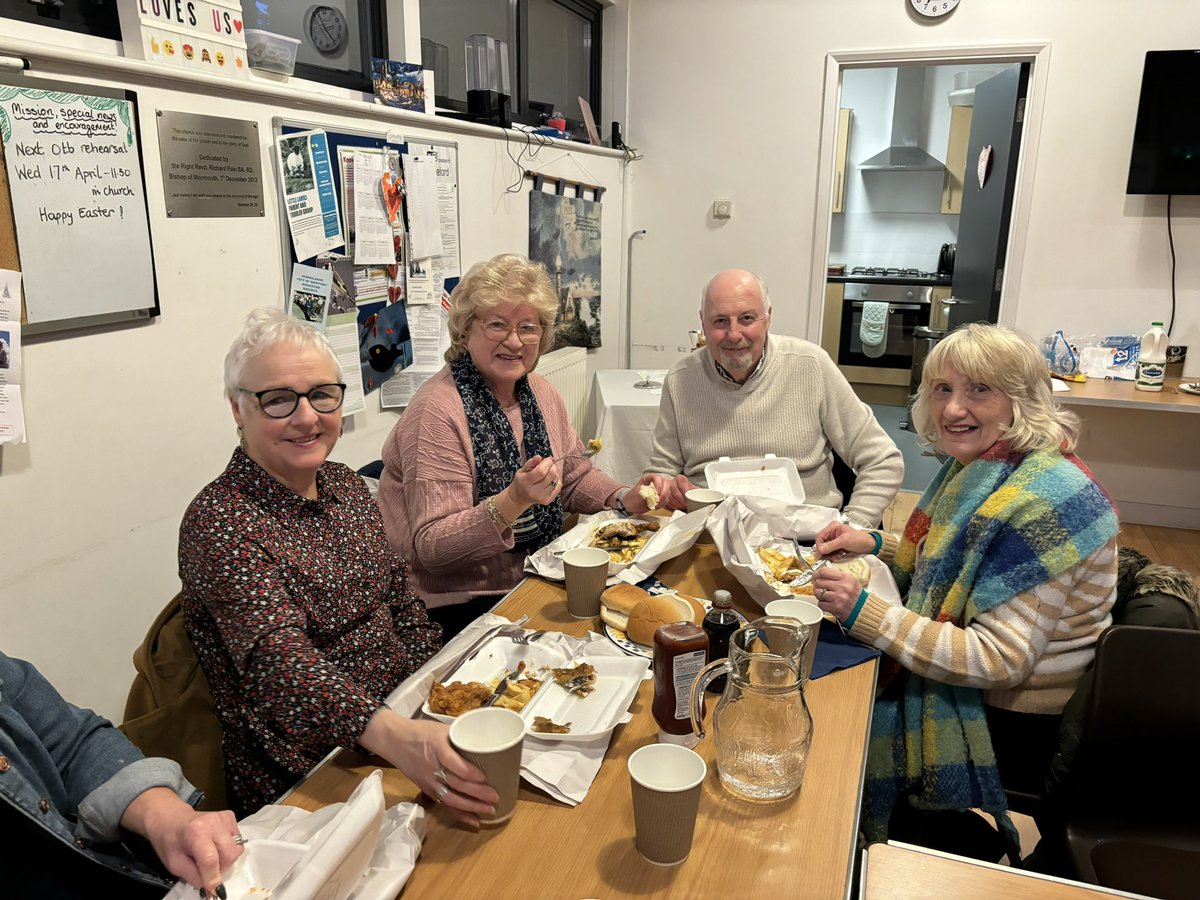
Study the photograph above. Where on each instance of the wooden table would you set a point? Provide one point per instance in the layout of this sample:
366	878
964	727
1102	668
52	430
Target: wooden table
903	872
1123	395
550	850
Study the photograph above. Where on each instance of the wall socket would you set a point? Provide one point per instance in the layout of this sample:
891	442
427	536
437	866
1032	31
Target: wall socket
722	209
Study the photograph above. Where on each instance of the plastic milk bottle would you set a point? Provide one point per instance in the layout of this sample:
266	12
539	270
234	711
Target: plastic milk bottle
1152	359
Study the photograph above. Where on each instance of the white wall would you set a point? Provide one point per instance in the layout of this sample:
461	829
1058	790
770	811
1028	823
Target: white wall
126	425
726	100
749	128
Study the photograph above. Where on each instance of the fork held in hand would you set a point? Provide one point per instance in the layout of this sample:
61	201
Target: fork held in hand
586	454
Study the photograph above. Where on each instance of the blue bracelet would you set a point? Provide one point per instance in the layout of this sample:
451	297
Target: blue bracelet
862	598
878	542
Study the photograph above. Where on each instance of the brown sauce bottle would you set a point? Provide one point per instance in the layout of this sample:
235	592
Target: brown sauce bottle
680	652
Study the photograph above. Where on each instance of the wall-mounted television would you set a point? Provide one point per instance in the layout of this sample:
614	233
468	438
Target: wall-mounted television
1166	141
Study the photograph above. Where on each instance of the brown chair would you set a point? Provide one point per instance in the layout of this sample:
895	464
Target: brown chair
1133	797
170	712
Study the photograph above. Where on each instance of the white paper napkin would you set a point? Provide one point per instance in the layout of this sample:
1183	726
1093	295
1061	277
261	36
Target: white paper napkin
740	525
675	535
355	850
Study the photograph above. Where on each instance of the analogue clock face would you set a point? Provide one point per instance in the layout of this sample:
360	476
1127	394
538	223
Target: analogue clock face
933	8
327	29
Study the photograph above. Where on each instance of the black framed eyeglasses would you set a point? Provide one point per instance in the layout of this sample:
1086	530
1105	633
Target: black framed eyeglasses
279	403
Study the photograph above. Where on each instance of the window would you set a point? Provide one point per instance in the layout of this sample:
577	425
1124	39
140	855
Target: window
337	37
553	47
94	17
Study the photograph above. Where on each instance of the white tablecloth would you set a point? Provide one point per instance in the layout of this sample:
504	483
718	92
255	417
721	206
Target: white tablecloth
624	418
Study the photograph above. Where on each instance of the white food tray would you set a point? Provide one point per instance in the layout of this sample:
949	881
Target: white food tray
769	476
617	680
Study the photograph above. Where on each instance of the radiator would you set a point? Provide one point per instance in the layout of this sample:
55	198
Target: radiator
566	369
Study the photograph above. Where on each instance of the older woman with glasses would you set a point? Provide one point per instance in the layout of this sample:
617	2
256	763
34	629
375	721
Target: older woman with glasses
481	466
301	614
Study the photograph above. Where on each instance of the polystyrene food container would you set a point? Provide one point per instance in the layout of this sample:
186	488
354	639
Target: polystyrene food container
270	52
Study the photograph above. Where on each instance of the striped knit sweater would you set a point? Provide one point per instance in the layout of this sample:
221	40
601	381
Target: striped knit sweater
1026	655
798	405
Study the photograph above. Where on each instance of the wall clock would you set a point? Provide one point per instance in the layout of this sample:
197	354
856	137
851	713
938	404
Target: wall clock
933	9
327	29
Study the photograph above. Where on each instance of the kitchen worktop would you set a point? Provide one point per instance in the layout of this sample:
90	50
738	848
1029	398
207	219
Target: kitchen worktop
931	281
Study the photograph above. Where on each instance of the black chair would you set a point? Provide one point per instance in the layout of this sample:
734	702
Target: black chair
1133	817
844	478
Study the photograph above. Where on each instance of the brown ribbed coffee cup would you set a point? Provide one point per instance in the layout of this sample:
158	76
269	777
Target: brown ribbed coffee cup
666	781
492	739
586	570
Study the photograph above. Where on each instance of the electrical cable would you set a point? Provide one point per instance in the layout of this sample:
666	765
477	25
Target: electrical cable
541	140
1171	242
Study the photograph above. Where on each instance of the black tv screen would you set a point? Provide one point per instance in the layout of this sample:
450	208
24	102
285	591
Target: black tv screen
1166	141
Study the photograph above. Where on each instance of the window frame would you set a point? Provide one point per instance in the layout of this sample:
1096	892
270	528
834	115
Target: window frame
372	17
518	24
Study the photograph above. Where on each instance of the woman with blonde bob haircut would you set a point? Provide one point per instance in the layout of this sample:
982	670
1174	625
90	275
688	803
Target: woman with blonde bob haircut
484	462
1007	567
1011	364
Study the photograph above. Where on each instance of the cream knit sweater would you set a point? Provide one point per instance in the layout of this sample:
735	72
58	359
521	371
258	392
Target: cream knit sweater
797	405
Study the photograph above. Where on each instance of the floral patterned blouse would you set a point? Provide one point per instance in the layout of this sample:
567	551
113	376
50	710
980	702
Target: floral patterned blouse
301	615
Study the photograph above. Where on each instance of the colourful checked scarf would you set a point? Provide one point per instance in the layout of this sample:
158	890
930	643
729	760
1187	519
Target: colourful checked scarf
994	528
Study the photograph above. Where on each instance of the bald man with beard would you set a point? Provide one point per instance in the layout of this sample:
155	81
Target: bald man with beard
748	393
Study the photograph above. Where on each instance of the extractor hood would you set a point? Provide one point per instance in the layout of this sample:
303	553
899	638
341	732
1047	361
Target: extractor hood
904	155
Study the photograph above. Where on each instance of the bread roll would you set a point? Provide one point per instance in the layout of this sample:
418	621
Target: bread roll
858	567
662	609
618	601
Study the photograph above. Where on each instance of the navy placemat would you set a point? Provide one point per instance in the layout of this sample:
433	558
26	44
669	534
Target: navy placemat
838	651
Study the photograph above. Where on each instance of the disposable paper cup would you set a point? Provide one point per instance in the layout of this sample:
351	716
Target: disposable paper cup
666	781
491	738
698	498
587	570
805	612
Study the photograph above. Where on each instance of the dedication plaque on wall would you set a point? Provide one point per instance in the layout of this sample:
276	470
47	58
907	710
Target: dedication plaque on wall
211	166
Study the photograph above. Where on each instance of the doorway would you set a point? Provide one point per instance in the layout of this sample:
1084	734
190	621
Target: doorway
1031	62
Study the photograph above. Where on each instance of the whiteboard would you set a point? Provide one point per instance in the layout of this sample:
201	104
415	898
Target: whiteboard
78	201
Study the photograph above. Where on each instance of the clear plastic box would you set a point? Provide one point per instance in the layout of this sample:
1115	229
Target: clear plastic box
270	52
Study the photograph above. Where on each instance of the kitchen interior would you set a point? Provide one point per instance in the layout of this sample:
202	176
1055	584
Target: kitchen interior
901	168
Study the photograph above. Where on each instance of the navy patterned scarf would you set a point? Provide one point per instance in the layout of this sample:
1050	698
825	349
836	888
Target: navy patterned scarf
497	456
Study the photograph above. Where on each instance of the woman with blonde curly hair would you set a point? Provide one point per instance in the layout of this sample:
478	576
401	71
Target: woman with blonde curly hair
1008	571
480	468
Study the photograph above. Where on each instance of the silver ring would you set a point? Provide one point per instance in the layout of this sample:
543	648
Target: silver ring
440	774
442	791
824	591
238	839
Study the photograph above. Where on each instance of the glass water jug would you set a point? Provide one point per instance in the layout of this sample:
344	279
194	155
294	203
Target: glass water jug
761	723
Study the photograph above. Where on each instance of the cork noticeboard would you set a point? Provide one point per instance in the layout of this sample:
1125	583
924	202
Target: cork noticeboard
9	257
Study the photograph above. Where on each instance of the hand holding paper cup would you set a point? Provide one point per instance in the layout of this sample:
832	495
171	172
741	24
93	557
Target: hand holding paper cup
586	570
667	781
492	739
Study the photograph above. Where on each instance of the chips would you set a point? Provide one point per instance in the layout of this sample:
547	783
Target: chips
785	572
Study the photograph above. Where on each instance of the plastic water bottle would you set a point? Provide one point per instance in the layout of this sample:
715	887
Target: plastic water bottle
1152	359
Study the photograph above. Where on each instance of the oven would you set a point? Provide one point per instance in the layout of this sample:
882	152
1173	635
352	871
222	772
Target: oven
915	300
908	309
